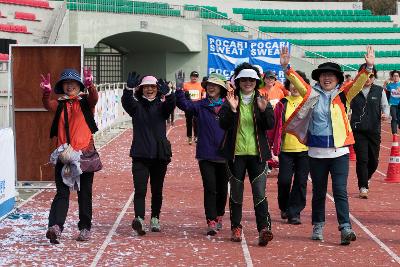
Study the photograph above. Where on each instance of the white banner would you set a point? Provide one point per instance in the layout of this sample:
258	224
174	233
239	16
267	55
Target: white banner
7	173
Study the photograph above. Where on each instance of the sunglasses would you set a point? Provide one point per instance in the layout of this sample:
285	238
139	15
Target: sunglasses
372	76
247	79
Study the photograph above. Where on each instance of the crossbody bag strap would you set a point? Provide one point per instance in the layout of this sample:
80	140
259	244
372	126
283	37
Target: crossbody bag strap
66	124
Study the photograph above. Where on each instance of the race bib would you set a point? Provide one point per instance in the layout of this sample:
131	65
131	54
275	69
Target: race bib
194	94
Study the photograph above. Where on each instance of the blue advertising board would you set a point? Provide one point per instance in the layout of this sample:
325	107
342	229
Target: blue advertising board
224	54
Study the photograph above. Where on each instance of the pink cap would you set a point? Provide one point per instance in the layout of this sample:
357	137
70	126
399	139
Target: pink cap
148	80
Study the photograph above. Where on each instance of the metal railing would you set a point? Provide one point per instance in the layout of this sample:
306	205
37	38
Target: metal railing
57	23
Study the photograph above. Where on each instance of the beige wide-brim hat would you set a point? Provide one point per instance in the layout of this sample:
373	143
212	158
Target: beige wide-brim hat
215	79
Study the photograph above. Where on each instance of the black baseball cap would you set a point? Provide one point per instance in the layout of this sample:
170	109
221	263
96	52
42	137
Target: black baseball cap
194	73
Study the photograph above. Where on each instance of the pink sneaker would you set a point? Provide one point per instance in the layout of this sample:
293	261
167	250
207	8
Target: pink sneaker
212	228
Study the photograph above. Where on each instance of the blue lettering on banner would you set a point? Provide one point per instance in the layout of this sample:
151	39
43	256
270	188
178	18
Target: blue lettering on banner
224	54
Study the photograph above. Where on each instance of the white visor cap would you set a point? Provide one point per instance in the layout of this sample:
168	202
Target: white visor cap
248	73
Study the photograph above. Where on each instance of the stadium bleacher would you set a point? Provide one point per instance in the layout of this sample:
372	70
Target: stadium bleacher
32	3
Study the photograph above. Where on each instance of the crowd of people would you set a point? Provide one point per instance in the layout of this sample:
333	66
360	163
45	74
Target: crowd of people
238	125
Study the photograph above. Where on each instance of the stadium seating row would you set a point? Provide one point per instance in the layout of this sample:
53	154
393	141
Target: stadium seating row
32	3
3	57
25	16
197	7
13	28
378	67
129	3
344	42
356	54
124	9
306	12
328	30
213	15
234	28
317	18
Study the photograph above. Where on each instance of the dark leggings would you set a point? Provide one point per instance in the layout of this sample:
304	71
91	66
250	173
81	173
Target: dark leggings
142	169
215	184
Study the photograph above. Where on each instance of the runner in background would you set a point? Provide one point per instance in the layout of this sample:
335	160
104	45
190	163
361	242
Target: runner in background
273	90
195	93
369	107
394	89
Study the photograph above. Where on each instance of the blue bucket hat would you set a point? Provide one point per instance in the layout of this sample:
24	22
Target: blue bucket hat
68	74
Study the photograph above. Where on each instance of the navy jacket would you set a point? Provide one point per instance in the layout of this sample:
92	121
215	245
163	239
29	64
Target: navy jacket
209	133
148	119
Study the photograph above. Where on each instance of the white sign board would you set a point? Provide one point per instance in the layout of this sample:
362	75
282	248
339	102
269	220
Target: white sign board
7	173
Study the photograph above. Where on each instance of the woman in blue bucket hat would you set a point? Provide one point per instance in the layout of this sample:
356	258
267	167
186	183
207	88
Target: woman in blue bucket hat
73	126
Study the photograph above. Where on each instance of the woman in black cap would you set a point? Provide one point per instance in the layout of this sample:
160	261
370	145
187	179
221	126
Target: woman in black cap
78	108
321	123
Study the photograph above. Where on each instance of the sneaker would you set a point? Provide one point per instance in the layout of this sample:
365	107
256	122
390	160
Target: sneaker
219	223
190	140
236	234
363	193
264	237
84	235
347	234
138	226
212	227
318	228
294	221
155	224
284	215
54	234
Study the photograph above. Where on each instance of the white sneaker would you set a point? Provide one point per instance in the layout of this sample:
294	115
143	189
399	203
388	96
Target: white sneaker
363	193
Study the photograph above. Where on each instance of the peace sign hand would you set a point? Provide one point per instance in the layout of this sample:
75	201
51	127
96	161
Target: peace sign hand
87	77
45	83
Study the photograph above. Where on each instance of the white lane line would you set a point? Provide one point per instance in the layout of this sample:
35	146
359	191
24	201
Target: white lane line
111	232
371	235
245	248
119	218
246	252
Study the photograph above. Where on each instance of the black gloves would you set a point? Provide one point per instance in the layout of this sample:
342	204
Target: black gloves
133	80
179	79
163	87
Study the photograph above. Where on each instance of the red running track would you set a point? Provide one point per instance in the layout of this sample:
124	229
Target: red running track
182	241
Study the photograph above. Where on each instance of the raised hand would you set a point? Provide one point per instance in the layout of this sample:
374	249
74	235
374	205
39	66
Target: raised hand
233	100
284	56
133	80
370	56
179	80
163	87
229	86
87	77
262	103
45	83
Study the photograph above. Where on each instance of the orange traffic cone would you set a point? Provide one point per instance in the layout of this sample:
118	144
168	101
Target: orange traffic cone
352	155
393	172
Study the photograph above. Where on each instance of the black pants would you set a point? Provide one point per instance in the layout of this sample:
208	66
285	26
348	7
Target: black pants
257	175
60	204
292	196
190	123
142	169
215	184
393	123
367	153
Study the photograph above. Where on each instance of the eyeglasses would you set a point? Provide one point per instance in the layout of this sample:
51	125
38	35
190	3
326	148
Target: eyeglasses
247	79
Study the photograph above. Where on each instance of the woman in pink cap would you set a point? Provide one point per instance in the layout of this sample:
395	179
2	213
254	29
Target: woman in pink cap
150	150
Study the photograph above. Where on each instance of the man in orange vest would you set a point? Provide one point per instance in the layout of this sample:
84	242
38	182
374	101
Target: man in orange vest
273	90
195	91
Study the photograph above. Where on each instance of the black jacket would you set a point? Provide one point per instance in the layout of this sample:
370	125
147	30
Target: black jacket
148	120
366	112
229	121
